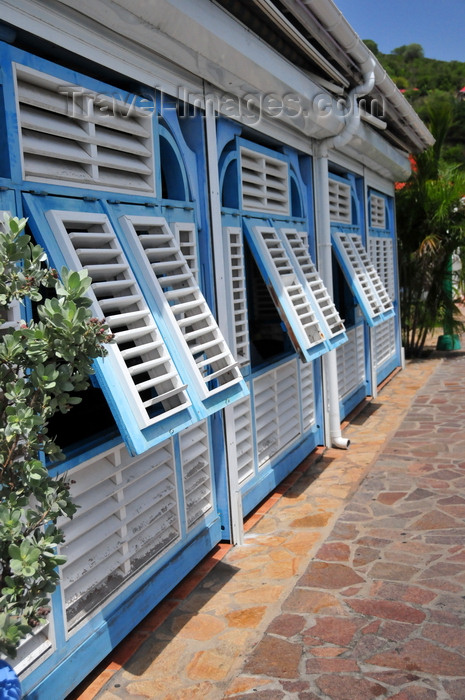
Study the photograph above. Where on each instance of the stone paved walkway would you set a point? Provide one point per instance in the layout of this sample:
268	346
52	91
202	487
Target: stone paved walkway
351	581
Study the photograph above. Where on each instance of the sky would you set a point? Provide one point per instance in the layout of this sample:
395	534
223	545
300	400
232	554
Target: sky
438	25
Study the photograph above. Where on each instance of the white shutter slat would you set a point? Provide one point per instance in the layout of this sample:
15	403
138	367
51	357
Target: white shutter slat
362	277
340	207
264	182
287	291
377	211
72	134
137	337
197	479
178	294
237	293
309	275
139	501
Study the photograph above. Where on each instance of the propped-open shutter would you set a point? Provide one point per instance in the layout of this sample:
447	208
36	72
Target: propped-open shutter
362	277
264	182
184	309
142	385
292	301
70	134
330	321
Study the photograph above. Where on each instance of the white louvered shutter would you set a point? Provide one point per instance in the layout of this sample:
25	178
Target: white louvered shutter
288	293
127	517
186	237
277	410
72	135
238	293
140	358
197	481
182	303
264	182
243	439
377	211
340	208
330	322
307	395
381	252
351	363
362	277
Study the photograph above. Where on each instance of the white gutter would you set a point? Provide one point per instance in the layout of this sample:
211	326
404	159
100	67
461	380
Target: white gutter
338	27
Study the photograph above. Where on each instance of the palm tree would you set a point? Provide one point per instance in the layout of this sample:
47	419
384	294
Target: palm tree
431	226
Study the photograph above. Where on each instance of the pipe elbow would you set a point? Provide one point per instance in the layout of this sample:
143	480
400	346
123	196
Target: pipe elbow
340	442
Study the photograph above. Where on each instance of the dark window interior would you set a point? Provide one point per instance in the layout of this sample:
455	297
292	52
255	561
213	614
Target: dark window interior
268	337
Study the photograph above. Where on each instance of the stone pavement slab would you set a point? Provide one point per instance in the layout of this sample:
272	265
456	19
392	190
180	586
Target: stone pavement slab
351	581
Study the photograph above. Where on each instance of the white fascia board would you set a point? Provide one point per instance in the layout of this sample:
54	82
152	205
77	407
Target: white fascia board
371	149
175	45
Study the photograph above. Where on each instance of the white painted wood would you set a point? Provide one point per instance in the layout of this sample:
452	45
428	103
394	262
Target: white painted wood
264	182
182	303
340	208
277	410
377	211
351	362
72	135
307	390
128	516
196	468
186	237
357	260
139	357
331	323
237	299
287	285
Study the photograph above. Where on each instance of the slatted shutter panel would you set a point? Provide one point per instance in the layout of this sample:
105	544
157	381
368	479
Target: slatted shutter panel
33	649
288	293
362	277
351	362
377	211
277	410
73	135
384	342
384	338
186	237
197	482
127	517
180	295
147	372
307	394
331	323
264	182
243	441
381	252
238	293
287	392
340	207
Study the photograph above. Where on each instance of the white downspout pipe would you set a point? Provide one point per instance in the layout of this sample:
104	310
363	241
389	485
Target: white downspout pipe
333	417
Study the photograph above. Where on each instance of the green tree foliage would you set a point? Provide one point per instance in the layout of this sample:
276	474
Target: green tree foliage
431	228
42	364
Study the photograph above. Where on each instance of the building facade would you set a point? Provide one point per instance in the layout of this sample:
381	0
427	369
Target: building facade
225	171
